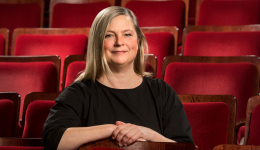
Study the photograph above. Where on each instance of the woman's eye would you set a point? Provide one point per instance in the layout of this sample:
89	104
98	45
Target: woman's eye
108	36
128	34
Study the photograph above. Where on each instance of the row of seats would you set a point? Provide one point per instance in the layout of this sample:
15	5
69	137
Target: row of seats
218	126
162	41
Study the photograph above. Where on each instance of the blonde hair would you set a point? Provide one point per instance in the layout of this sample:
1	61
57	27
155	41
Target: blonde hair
96	61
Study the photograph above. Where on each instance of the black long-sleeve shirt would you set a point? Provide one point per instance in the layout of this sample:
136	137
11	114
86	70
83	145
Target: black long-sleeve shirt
153	104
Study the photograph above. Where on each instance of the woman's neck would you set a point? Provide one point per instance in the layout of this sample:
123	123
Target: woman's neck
121	80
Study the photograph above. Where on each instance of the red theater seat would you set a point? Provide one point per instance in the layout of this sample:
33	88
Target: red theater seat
212	119
75	14
156	13
29	74
75	64
235	76
9	113
228	12
36	109
61	42
162	42
4	39
21	13
221	41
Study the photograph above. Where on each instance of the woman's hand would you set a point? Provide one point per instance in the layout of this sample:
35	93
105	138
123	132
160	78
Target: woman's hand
126	134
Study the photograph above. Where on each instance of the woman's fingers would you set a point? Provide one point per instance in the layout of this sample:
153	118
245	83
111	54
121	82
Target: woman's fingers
127	134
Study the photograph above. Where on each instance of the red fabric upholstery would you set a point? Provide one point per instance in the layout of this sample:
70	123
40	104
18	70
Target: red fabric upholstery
73	71
19	15
161	46
20	148
159	13
6	117
235	79
76	15
2	44
222	44
240	134
223	13
61	45
209	125
254	132
75	68
27	77
36	114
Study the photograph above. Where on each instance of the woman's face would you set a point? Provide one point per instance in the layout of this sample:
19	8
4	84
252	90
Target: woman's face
120	43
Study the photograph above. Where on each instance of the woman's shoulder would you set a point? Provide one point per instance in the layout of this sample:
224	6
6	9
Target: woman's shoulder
156	82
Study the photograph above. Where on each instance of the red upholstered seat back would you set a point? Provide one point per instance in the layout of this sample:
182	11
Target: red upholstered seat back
235	79
2	44
209	124
254	132
6	117
73	71
61	45
75	68
159	13
36	114
229	12
76	15
19	15
161	46
222	43
27	77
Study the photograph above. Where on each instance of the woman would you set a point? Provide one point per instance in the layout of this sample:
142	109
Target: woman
113	97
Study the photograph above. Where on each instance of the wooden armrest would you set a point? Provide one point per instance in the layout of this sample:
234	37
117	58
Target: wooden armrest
20	141
140	145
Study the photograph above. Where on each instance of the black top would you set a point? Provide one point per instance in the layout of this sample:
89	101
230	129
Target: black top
153	104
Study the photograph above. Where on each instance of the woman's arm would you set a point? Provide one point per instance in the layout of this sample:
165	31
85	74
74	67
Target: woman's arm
126	134
74	137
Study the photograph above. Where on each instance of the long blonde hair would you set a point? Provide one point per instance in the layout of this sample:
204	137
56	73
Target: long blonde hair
96	62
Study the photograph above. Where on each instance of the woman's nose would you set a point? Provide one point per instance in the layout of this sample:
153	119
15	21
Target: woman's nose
119	41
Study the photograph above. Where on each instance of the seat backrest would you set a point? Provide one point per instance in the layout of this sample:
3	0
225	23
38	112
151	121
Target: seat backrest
75	64
36	109
29	74
236	147
9	113
221	41
162	42
160	13
139	145
75	14
61	42
227	12
210	116
252	133
214	76
21	13
4	39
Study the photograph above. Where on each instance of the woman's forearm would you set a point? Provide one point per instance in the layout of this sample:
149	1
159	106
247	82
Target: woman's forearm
74	137
156	137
